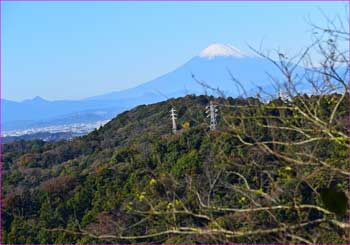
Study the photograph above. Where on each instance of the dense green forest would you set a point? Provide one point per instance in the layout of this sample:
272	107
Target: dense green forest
272	172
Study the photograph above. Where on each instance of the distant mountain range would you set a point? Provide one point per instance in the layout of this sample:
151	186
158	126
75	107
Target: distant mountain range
42	113
212	66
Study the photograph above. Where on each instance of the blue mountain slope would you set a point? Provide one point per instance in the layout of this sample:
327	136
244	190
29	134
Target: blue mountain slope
250	71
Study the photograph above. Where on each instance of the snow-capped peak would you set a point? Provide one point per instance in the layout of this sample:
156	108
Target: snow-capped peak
216	49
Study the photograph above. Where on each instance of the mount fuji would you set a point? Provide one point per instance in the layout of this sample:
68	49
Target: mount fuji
214	66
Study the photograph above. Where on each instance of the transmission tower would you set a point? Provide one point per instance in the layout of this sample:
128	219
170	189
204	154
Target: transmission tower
282	95
173	119
212	110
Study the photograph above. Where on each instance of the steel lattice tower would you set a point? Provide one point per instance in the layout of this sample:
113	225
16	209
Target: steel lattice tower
173	119
212	110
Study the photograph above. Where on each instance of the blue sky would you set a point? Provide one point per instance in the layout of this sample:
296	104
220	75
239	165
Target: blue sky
73	50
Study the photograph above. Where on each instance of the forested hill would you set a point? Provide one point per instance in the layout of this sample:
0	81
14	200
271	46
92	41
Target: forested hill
271	172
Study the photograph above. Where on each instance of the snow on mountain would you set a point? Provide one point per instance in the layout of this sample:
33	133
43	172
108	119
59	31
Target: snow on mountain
217	49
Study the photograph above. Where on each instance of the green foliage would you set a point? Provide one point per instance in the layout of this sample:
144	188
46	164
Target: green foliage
335	201
187	163
99	181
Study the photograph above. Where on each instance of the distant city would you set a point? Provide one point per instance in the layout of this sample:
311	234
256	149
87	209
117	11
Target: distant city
75	128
